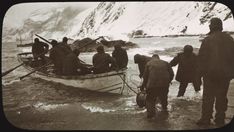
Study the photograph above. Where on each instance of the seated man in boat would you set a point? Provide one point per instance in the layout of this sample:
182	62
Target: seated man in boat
102	61
121	56
141	60
39	49
65	47
57	56
72	64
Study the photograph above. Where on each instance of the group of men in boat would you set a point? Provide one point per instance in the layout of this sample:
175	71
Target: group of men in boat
66	61
214	62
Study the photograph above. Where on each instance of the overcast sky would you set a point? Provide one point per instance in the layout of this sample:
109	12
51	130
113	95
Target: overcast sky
16	14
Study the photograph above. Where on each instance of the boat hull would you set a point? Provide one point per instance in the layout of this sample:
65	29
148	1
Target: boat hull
113	81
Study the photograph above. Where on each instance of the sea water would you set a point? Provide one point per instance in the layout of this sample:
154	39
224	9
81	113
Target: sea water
35	93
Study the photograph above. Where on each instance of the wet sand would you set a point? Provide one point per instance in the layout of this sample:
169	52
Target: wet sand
71	115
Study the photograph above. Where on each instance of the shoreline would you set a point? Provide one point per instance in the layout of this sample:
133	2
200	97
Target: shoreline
183	114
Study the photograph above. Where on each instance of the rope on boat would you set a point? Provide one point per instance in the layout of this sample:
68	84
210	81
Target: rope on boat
132	79
128	85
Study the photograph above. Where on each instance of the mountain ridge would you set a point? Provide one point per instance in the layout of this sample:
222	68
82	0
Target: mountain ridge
119	20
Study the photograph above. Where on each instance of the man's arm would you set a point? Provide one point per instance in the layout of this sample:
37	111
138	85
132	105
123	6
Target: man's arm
45	45
113	63
202	58
125	59
145	77
141	69
174	61
171	73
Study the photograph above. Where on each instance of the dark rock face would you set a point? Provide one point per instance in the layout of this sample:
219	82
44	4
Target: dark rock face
89	45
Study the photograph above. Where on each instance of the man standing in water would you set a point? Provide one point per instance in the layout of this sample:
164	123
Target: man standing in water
187	70
157	77
141	60
216	65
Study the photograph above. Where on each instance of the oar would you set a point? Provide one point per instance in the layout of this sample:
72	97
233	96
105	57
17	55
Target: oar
7	72
86	45
43	39
91	42
22	77
49	62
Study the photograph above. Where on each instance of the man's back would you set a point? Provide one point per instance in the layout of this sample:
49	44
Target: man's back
216	55
65	48
57	57
187	65
70	64
158	73
101	62
39	47
121	57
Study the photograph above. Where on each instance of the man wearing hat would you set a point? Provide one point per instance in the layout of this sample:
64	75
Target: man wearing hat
141	61
216	66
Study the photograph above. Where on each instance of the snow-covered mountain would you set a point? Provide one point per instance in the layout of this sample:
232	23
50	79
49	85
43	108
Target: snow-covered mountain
119	19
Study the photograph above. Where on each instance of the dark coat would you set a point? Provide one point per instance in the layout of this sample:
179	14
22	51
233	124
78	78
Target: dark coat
141	64
187	67
121	57
71	64
157	74
101	62
216	56
65	48
57	56
38	48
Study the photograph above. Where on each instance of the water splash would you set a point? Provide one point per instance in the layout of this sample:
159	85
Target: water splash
9	82
96	108
44	106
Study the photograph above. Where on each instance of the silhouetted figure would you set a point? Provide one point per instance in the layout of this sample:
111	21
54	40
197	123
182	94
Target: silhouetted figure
73	66
65	47
102	61
141	60
57	56
156	79
39	49
187	70
216	64
120	56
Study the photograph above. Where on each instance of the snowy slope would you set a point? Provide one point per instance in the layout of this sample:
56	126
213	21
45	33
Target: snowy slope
118	19
155	18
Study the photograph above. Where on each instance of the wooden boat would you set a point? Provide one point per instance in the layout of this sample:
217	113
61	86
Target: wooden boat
105	82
